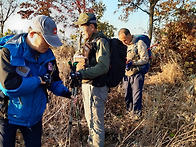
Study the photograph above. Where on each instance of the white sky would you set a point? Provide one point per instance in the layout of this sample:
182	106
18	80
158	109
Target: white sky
137	24
16	23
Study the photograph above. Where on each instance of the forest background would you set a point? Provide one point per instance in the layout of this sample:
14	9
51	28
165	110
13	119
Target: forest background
170	86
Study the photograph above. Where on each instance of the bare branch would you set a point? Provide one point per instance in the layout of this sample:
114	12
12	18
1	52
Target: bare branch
7	7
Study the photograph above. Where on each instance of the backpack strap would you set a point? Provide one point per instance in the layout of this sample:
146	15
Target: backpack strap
144	68
146	40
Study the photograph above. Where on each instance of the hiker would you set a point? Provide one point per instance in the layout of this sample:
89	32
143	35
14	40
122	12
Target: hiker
137	58
28	69
94	89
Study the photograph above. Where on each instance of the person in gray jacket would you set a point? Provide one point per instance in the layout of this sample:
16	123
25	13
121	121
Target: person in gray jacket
137	60
94	89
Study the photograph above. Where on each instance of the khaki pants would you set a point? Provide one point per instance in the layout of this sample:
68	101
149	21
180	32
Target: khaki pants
94	99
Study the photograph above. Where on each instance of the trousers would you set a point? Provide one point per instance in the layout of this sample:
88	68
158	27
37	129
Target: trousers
133	86
32	136
94	99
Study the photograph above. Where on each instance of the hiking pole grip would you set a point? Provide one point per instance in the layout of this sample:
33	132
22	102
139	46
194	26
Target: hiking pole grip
74	92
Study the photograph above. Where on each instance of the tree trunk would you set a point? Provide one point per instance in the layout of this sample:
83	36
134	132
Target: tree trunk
2	26
151	19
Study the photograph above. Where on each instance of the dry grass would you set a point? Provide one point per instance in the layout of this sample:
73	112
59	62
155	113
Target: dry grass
171	73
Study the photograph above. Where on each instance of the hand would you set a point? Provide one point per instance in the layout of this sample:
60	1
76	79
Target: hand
128	64
46	79
74	99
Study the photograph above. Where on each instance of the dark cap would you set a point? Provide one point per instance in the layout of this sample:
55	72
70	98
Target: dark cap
86	18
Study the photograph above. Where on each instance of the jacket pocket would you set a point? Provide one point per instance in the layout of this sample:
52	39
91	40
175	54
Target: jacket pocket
19	109
99	96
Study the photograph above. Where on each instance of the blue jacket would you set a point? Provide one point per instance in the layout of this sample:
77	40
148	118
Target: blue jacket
27	102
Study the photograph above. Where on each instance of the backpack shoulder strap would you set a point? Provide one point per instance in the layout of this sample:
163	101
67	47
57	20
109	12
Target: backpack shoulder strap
93	45
144	38
102	37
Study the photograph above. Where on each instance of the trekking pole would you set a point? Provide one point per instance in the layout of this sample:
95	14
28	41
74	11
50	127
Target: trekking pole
75	83
78	84
68	137
78	112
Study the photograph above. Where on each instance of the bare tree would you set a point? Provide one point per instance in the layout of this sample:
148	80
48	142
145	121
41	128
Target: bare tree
133	5
7	8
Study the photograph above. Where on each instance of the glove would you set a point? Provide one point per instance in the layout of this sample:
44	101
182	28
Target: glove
47	78
79	76
72	75
67	94
76	75
128	64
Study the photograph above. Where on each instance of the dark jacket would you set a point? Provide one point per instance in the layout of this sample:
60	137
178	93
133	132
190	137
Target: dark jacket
99	63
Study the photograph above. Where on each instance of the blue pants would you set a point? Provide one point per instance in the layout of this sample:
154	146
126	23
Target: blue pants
32	136
133	92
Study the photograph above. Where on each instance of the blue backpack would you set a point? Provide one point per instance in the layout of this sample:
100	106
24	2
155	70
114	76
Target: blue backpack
146	40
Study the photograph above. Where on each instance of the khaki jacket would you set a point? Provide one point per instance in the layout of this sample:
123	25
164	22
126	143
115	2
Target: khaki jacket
137	52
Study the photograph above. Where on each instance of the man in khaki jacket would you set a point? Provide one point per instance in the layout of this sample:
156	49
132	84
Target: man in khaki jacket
137	61
94	89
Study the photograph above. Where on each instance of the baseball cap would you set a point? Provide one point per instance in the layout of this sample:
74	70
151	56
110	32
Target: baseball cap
86	18
47	27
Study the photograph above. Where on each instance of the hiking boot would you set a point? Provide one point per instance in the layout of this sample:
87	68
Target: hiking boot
134	115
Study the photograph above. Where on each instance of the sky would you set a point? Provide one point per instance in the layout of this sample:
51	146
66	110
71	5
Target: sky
137	23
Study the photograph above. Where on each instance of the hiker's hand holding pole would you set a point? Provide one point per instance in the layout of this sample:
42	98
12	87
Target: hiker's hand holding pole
74	99
42	82
46	79
76	79
79	76
128	64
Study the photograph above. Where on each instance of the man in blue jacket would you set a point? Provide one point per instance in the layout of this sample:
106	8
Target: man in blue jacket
28	68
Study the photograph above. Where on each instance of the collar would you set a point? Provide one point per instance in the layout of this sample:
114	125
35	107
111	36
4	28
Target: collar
133	40
96	35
